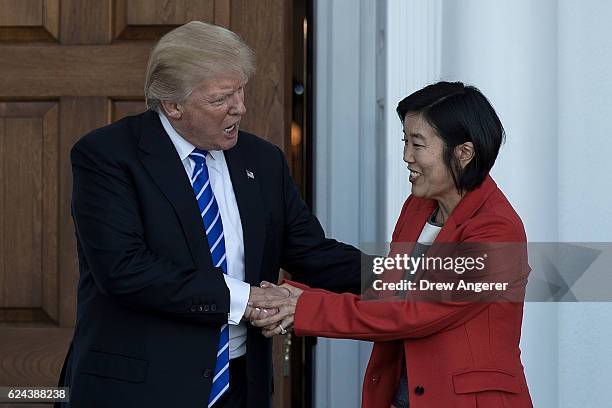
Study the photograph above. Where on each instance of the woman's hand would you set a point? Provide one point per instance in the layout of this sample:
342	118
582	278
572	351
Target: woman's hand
282	321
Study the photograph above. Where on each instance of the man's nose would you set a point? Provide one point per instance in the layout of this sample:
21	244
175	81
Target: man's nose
237	107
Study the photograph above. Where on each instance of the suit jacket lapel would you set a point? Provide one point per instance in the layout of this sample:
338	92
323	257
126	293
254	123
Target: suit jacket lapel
250	206
160	159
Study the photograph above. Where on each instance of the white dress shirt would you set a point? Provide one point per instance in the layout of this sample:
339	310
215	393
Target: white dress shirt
429	233
232	230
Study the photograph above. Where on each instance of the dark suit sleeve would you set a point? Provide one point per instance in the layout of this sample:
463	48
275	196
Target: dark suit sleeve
308	255
111	237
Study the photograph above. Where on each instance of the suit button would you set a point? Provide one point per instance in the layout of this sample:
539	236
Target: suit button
206	373
213	308
206	308
199	308
419	390
193	308
374	379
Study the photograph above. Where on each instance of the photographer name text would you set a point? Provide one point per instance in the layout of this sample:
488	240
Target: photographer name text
425	285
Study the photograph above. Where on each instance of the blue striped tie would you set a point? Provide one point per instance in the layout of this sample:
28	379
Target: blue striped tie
214	232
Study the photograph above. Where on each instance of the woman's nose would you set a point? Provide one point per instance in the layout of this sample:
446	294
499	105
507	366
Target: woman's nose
408	156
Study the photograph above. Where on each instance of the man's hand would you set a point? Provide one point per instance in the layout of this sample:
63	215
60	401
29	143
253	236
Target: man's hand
282	321
265	293
256	313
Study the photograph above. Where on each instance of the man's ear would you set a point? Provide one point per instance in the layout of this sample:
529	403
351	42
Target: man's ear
465	153
172	109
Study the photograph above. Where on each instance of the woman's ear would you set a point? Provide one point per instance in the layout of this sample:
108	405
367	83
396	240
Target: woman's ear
172	109
465	153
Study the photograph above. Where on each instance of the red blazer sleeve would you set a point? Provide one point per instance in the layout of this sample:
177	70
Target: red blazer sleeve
322	313
345	316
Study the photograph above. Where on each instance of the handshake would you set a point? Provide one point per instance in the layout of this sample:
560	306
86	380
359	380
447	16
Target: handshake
272	307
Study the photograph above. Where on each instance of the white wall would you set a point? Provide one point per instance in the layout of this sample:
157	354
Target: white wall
585	190
585	130
346	159
412	42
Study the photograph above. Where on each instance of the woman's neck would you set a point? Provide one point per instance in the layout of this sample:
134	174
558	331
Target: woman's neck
447	205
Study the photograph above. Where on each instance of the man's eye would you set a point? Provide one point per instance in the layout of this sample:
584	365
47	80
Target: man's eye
417	145
217	101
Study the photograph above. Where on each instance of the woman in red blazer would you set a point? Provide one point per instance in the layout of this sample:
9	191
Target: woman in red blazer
443	353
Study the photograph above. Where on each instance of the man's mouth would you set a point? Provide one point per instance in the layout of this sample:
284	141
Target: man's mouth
230	129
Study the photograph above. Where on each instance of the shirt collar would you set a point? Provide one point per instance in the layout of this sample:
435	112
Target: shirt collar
182	146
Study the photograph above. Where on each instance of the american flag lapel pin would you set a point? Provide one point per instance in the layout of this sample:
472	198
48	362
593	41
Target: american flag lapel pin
250	174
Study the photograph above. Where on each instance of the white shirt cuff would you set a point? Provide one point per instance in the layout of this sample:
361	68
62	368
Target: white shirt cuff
239	297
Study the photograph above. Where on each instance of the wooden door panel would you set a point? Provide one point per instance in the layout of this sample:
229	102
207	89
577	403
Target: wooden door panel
29	20
150	19
32	356
85	21
162	12
32	348
55	70
121	109
21	12
21	254
28	174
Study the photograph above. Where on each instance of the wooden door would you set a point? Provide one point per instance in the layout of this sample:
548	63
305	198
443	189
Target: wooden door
66	67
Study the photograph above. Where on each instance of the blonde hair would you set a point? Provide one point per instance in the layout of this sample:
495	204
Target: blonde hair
190	54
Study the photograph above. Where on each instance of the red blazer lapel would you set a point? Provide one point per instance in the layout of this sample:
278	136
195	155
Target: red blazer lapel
407	230
466	209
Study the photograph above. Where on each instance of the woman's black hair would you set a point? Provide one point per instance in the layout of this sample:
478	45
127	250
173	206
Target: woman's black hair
459	114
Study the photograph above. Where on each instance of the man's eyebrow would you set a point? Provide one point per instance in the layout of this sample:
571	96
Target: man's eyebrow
223	92
220	93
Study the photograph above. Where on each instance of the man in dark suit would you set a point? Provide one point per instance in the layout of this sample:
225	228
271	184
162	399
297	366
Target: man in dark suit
179	216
